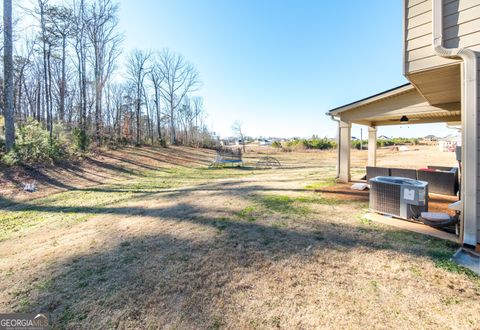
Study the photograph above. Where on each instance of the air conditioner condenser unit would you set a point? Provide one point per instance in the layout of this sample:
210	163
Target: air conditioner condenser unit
399	197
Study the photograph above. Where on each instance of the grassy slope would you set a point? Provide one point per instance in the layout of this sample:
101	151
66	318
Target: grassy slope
81	204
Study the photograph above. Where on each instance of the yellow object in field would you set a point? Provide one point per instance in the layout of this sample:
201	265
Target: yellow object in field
2	121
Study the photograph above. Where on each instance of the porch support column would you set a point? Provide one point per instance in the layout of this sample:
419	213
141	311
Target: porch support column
372	146
344	150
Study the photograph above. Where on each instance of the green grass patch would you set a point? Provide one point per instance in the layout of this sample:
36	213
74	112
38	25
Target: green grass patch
442	258
221	223
24	304
448	301
288	205
330	182
82	204
285	206
248	213
44	284
416	271
281	204
403	237
372	226
439	251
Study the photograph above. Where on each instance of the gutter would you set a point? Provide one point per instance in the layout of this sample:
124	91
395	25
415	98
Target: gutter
469	119
332	117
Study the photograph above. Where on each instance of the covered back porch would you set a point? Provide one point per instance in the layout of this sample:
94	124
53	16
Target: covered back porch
399	106
402	105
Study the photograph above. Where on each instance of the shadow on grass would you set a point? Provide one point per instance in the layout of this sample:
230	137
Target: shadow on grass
187	283
117	169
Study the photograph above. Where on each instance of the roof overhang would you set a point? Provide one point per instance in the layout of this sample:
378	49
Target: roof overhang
388	107
370	99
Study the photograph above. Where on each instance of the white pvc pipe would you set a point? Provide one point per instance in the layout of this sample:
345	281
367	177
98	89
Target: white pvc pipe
469	123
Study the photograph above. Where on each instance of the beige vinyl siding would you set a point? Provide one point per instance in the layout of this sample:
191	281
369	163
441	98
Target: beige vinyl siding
461	29
419	53
461	24
471	41
455	6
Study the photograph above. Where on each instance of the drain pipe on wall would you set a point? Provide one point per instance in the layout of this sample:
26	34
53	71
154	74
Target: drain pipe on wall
469	123
338	144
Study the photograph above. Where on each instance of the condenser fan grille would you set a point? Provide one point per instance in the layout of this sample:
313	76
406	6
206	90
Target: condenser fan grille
385	198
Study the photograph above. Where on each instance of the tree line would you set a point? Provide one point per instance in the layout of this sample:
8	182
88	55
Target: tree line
63	70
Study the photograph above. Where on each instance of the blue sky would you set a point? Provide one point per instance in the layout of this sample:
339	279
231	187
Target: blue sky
278	65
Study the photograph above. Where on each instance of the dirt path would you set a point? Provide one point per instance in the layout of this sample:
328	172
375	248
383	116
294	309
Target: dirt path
181	247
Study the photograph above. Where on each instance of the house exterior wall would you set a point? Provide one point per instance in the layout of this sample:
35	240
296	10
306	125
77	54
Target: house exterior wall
461	30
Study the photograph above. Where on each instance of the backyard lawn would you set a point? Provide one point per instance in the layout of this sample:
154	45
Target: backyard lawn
151	237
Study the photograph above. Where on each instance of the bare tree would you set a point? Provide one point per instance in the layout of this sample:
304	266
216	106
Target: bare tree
80	44
237	131
179	79
8	75
60	22
47	73
156	79
21	63
197	113
62	73
136	70
101	24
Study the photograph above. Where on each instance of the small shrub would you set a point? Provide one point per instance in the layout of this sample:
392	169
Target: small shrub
312	143
359	143
397	141
33	145
276	144
163	143
80	139
2	145
205	141
385	143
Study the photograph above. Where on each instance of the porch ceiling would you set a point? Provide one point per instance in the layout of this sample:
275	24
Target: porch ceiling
439	85
388	107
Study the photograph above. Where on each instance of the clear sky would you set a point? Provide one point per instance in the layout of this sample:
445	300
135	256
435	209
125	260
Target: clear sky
278	65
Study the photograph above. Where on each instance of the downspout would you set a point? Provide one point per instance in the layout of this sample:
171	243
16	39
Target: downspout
332	117
469	122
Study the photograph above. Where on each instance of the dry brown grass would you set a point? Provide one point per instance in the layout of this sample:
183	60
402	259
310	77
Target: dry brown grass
231	249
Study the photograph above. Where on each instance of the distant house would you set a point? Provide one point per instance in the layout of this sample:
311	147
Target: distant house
264	142
430	138
449	143
354	138
383	137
